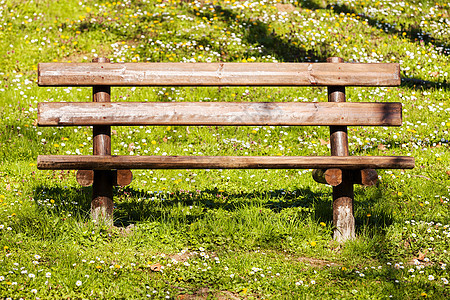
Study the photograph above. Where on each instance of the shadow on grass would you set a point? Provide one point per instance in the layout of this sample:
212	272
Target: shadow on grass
419	84
132	205
412	32
63	200
257	33
391	281
267	219
277	214
138	205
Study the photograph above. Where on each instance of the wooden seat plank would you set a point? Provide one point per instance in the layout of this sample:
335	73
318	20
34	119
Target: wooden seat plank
219	113
109	162
218	74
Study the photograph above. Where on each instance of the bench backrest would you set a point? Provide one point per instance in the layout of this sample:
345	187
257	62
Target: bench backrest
336	113
219	113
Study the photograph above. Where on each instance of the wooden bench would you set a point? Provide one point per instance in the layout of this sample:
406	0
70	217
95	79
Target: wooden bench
339	170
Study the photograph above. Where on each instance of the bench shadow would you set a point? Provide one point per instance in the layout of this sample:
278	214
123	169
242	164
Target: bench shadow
420	84
138	205
63	200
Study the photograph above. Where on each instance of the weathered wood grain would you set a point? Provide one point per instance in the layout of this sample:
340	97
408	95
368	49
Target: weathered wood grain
85	177
218	74
332	177
367	177
105	162
219	113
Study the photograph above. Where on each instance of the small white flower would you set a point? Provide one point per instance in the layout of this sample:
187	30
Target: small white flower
313	282
430	277
34	291
78	283
37	257
2	278
444	280
48	274
31	275
300	282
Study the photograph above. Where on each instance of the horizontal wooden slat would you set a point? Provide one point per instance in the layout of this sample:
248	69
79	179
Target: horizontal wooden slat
219	113
99	162
218	74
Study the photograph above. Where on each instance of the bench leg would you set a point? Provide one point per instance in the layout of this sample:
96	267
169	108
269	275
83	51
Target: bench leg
343	219
102	197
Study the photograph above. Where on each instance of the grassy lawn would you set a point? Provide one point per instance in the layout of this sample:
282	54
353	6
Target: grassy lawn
225	234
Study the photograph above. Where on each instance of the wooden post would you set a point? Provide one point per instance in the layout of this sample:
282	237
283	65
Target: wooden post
343	194
102	188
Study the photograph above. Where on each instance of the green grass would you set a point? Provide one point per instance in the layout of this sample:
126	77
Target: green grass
225	234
